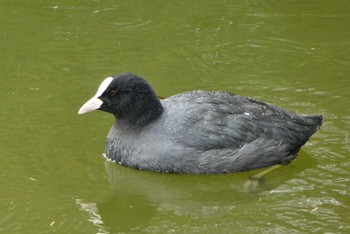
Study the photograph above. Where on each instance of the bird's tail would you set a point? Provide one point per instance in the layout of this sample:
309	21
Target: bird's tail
316	121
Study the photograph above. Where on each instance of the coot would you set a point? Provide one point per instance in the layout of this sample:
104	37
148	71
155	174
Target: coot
196	132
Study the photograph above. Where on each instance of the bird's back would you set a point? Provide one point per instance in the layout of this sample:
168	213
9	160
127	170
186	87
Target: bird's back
228	133
222	120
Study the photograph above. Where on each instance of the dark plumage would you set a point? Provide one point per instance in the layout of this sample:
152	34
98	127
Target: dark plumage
197	132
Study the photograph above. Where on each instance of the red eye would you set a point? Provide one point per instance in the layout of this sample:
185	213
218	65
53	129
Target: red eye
113	93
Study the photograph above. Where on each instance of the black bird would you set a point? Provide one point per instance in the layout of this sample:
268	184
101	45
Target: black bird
196	132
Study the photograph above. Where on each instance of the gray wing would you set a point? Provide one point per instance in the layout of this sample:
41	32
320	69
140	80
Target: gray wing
218	120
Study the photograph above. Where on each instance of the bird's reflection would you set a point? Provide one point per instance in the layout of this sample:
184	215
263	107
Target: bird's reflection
140	198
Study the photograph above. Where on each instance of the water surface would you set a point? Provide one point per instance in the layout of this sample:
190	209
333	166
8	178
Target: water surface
54	54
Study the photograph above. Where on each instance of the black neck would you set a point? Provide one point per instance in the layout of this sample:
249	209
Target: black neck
141	113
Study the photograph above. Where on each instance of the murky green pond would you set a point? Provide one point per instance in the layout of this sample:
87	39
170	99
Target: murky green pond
54	54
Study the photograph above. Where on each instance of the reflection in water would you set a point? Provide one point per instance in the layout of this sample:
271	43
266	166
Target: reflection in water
140	198
93	212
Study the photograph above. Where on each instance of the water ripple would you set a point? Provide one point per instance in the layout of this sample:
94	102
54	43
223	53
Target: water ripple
113	16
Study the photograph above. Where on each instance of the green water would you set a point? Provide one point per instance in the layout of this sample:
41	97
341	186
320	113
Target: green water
54	54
